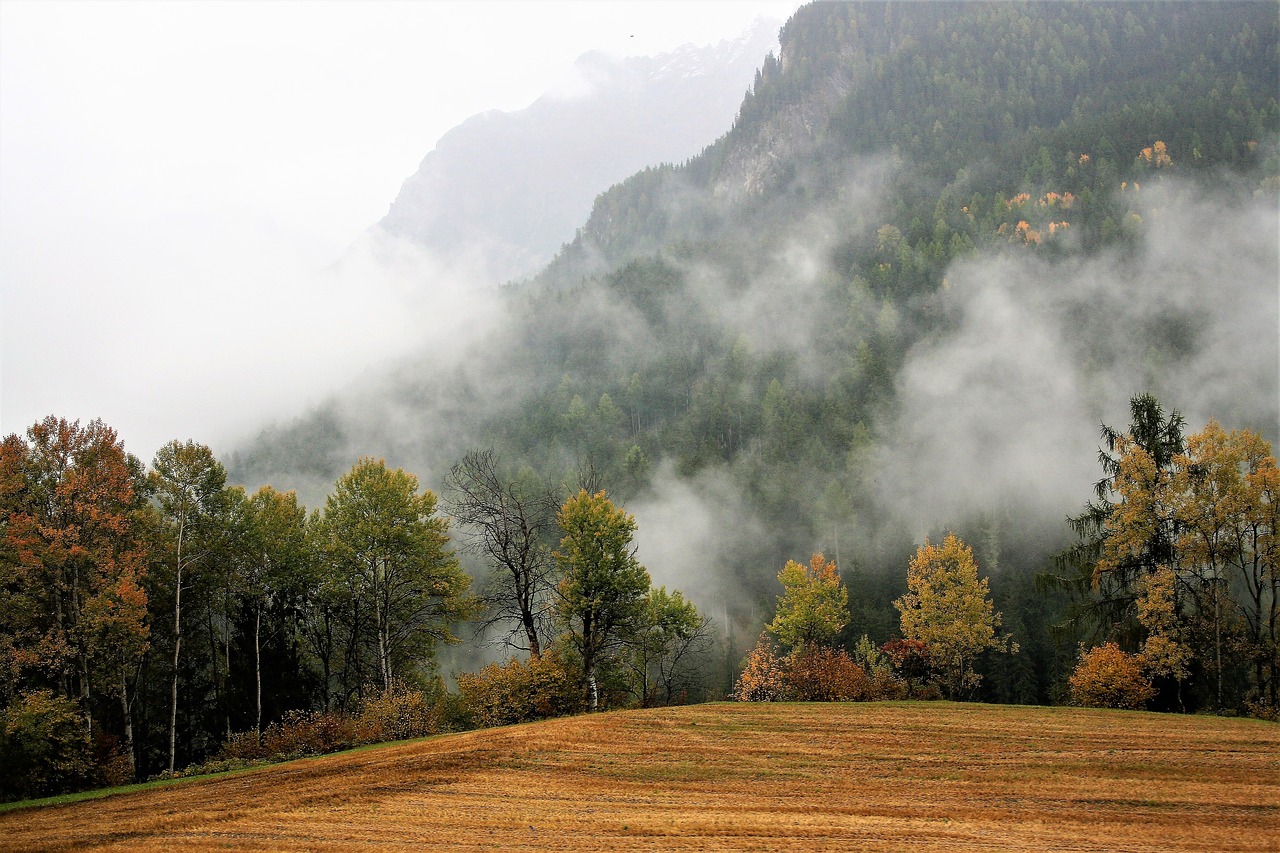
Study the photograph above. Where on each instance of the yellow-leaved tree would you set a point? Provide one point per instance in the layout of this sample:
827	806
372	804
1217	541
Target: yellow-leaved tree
946	607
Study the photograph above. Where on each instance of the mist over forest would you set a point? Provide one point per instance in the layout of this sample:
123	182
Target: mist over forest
817	331
952	268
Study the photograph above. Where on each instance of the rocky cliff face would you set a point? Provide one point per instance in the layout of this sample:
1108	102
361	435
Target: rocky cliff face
502	192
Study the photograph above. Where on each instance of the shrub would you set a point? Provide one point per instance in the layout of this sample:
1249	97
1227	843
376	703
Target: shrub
44	746
822	674
764	676
885	683
296	734
886	686
914	665
400	713
113	765
519	691
242	746
1261	710
1107	677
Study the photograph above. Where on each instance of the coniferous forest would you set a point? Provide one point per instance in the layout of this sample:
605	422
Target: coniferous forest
950	370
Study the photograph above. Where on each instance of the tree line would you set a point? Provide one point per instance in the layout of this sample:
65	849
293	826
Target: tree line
154	616
151	615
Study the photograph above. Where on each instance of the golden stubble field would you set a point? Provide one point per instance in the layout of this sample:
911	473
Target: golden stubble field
878	776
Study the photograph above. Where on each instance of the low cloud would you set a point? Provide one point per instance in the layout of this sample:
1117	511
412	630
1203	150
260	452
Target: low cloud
1004	408
693	533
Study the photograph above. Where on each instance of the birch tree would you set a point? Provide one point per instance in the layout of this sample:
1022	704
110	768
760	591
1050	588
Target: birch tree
188	483
386	539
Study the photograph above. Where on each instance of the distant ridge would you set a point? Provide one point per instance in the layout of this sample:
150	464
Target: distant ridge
503	191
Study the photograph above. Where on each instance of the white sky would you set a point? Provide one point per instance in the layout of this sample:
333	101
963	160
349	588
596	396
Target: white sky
173	174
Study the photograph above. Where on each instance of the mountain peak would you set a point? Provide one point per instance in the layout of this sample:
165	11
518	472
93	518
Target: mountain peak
512	187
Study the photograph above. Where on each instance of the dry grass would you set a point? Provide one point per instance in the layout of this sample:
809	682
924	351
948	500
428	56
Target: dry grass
733	777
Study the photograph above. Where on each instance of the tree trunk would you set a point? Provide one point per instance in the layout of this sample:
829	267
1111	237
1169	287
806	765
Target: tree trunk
531	632
383	660
326	659
1271	666
84	694
220	700
257	666
1217	639
381	612
177	649
173	697
127	711
226	657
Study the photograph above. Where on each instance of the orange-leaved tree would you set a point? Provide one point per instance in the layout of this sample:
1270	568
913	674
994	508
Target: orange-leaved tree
1108	677
73	619
764	675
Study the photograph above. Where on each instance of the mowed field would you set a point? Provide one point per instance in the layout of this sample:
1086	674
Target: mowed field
876	776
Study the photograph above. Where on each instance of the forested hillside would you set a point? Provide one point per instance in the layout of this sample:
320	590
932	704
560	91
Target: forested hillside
941	247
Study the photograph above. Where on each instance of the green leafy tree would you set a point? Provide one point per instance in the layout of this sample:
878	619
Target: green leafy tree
665	645
947	608
385	538
189	488
323	602
274	565
44	747
602	589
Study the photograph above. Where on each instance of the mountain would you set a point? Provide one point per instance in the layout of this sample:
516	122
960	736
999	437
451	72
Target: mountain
938	245
503	191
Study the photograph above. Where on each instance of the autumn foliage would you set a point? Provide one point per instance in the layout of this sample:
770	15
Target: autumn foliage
811	673
947	608
911	661
1108	677
400	712
519	691
822	674
44	747
764	676
814	605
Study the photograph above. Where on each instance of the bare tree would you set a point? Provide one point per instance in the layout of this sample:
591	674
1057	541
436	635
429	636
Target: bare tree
509	523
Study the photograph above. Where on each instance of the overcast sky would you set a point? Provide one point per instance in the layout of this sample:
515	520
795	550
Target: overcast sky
173	174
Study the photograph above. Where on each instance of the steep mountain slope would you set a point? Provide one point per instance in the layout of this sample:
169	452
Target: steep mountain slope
939	245
503	191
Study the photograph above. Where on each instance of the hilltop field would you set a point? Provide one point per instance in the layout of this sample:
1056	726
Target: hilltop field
875	776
